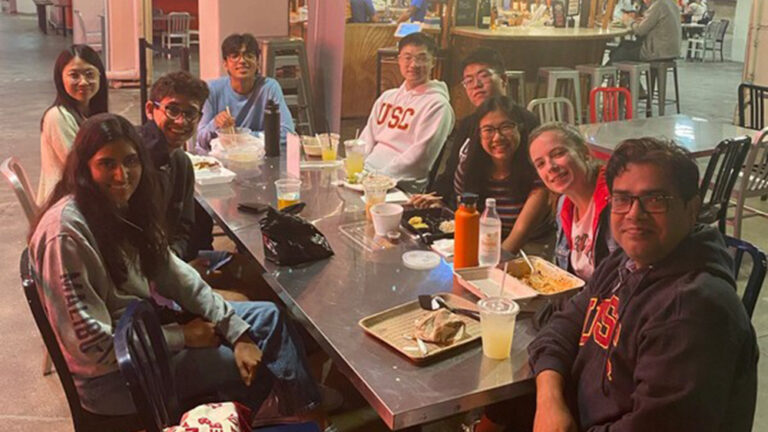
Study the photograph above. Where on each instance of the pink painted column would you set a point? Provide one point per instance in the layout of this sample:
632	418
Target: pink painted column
325	52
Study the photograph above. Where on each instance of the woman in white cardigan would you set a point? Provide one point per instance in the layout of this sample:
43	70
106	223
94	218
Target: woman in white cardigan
81	91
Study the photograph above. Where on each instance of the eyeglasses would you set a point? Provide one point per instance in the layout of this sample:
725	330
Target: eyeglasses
483	76
174	112
247	56
90	75
653	203
420	59
506	129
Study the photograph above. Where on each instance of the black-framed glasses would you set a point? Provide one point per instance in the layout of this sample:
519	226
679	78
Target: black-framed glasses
483	76
420	59
173	112
652	203
247	56
505	129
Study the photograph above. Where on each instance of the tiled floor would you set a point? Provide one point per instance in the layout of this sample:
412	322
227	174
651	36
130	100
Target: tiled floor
30	402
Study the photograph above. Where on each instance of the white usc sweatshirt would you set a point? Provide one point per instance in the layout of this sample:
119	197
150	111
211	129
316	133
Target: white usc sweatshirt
406	130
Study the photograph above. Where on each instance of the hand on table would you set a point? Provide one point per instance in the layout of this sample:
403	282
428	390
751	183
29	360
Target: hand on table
423	201
199	333
247	357
224	120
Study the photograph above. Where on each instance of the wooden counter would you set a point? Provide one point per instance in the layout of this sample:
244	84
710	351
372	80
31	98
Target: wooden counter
527	49
361	43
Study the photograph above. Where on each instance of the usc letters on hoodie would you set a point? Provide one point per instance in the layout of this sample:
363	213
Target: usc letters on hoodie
406	129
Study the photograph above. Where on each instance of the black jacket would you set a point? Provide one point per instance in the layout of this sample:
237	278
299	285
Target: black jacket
666	348
444	168
176	178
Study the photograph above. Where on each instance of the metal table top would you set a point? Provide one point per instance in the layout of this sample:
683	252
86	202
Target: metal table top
329	297
699	135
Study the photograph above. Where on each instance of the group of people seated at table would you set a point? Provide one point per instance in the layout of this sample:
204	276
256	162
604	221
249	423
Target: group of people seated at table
657	339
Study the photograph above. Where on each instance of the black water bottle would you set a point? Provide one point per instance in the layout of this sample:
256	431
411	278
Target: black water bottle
272	129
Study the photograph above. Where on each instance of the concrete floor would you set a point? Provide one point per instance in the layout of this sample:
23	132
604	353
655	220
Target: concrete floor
31	402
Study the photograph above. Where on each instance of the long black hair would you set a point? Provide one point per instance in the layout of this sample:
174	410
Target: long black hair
118	234
479	163
98	103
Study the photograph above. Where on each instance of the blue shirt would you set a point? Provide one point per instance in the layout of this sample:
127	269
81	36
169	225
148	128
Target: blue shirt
362	10
421	10
222	96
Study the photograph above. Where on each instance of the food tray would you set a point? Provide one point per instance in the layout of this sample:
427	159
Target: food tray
432	217
209	175
486	281
391	326
518	268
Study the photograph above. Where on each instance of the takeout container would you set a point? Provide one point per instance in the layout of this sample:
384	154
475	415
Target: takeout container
311	146
240	136
432	217
486	281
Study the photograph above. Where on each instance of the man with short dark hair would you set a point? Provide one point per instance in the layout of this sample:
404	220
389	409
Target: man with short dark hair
658	339
409	124
238	99
173	110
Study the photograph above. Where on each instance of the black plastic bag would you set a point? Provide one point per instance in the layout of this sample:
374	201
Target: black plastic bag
291	240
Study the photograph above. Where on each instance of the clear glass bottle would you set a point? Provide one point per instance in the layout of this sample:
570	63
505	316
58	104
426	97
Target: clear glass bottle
489	244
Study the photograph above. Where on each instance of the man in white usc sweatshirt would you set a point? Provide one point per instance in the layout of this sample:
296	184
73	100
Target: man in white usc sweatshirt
408	125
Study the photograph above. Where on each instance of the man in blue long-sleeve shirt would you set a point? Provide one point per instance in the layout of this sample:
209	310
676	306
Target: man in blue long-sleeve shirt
243	91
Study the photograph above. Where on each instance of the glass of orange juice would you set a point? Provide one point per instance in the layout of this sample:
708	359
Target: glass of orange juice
288	192
329	144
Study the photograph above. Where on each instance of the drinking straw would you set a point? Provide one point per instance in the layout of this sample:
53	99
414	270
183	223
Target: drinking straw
357	133
503	277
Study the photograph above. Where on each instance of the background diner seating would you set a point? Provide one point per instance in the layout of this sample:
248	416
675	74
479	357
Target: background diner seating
83	421
659	71
177	28
719	179
285	60
752	99
634	71
756	275
609	99
569	82
752	182
554	109
518	78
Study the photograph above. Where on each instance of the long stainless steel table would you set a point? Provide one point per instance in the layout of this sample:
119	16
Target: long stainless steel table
699	135
329	297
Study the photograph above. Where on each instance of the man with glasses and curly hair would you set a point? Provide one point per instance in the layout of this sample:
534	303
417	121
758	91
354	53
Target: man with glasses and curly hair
239	99
409	124
658	339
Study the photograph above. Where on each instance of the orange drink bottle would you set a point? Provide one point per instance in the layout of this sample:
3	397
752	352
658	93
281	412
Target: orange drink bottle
467	221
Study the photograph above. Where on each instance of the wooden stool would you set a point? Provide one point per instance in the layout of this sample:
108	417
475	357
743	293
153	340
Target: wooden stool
659	70
634	70
555	74
519	78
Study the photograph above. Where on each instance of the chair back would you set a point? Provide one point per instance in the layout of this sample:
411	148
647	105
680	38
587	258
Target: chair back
722	28
83	420
751	98
553	109
754	179
756	276
720	177
14	174
609	98
178	23
711	31
143	359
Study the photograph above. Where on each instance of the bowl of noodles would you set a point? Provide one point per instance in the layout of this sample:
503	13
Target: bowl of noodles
547	280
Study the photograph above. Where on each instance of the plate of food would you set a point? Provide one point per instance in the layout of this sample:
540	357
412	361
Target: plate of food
429	224
421	335
209	170
358	185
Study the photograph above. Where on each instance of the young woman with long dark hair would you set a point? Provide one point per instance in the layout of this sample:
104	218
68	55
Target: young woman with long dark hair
100	245
81	91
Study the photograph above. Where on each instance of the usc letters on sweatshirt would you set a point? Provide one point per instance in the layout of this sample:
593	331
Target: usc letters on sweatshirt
406	129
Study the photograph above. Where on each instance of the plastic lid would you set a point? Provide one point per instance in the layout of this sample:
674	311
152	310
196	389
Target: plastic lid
498	306
421	260
490	202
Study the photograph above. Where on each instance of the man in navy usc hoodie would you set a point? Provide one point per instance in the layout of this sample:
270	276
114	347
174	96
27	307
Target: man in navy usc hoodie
658	340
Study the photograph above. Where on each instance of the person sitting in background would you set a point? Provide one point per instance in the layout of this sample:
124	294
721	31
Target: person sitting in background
659	34
99	245
483	78
695	10
658	339
416	12
562	159
362	11
81	91
239	99
498	167
409	124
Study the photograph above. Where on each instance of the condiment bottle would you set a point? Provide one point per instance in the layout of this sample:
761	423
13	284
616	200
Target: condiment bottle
467	221
272	129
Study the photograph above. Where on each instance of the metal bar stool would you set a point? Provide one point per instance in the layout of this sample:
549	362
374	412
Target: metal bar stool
518	77
596	74
634	71
659	70
555	74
